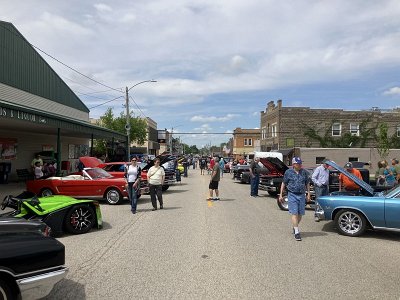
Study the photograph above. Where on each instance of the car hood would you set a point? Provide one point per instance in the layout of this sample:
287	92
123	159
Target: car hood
365	186
10	224
90	161
274	165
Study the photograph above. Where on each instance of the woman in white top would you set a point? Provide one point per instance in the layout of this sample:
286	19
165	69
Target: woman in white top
133	179
155	177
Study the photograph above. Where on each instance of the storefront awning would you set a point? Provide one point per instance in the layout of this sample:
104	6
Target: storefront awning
23	118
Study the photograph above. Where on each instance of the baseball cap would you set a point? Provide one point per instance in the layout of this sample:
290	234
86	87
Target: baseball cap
296	160
349	165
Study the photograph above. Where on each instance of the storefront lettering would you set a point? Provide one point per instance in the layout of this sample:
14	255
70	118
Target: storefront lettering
18	114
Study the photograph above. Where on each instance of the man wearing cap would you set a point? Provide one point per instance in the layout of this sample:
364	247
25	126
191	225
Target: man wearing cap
348	184
297	182
320	178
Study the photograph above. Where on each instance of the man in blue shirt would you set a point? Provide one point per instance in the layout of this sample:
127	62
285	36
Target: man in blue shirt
297	182
320	178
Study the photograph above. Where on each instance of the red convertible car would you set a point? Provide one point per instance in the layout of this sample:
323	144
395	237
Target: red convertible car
92	182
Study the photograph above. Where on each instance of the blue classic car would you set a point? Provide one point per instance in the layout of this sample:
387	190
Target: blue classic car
352	215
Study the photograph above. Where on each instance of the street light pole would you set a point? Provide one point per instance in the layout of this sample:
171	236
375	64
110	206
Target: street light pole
128	121
127	125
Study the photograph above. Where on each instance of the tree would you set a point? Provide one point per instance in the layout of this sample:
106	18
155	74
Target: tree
194	149
383	141
345	141
138	130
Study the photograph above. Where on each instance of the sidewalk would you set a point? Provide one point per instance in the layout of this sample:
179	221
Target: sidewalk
12	188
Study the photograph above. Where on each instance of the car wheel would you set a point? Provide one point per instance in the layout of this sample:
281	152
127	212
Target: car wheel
6	292
113	196
165	187
285	205
79	219
46	192
273	194
350	222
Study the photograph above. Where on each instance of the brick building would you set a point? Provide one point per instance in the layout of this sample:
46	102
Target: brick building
245	141
289	127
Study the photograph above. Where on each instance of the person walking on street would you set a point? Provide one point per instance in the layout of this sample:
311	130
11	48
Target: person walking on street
297	182
133	179
156	177
222	166
320	178
214	181
346	183
203	165
254	177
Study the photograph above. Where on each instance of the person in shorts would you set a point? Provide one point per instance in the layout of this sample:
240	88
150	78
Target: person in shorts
203	165
215	178
297	182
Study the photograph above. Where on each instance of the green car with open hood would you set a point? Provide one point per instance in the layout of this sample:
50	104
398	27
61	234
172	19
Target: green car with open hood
61	213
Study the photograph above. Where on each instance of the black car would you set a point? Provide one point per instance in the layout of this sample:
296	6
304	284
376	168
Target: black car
271	182
31	262
245	176
238	170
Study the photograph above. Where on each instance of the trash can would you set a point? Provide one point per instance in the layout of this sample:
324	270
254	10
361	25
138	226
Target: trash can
5	169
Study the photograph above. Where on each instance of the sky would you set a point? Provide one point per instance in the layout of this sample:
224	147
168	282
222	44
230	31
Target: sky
218	63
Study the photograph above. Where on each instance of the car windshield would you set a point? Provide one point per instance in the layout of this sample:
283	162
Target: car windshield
114	168
97	173
393	192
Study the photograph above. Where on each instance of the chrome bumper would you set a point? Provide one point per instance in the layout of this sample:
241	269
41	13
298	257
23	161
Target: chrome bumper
169	182
319	213
39	286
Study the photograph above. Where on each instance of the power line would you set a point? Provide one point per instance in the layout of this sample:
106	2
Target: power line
106	102
130	97
88	94
60	62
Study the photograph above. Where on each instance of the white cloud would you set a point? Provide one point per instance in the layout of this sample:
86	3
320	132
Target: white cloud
207	57
392	91
225	118
203	128
101	7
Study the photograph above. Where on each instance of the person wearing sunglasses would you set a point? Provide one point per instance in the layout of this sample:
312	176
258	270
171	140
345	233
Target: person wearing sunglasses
133	178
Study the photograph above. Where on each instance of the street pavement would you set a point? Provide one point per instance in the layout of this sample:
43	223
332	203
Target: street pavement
236	248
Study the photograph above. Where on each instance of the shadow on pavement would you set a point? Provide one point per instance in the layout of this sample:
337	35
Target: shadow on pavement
328	227
175	191
312	234
67	289
381	235
223	200
165	208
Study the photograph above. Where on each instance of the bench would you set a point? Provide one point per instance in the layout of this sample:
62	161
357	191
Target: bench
24	174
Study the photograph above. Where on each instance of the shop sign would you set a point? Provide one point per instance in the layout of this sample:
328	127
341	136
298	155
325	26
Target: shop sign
21	115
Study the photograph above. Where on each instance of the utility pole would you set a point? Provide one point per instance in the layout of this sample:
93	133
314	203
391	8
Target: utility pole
170	141
128	126
128	121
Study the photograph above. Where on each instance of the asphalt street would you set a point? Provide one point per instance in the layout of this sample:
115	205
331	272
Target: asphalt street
236	248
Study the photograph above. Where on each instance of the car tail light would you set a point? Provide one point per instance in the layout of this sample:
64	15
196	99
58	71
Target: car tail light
46	231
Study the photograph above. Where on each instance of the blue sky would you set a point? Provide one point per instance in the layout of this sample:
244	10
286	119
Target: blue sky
218	63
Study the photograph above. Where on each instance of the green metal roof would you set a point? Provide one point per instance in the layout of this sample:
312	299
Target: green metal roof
22	67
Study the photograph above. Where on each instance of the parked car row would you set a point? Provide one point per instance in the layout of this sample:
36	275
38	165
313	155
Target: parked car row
31	260
373	207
